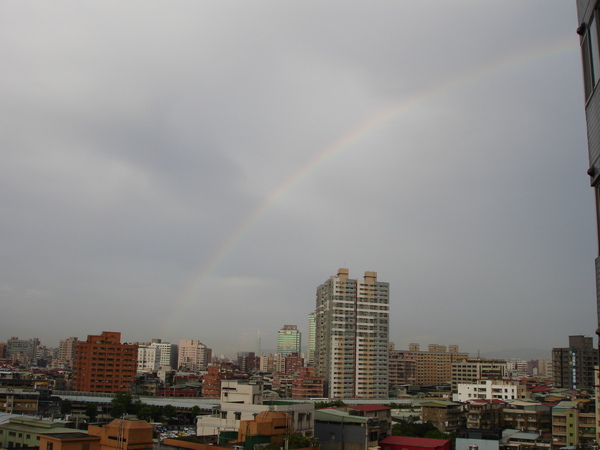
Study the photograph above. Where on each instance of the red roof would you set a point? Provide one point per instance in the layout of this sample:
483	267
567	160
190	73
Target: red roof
368	408
541	389
414	441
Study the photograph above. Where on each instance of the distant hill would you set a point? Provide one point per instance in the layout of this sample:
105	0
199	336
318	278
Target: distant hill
520	353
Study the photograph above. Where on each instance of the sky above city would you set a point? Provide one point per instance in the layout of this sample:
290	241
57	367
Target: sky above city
194	170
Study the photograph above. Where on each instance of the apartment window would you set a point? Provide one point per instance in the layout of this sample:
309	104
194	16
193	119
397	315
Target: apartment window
591	56
49	446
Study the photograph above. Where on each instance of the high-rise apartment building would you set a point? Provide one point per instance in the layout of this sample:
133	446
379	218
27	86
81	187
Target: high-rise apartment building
311	339
288	340
103	364
193	355
573	366
155	355
22	350
351	336
588	18
66	351
247	361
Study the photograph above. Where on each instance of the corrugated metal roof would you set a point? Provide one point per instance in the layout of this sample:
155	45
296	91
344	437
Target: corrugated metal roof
334	415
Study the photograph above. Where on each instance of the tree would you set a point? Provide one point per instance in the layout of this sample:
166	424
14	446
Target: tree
426	430
91	410
66	407
329	404
297	440
149	412
169	411
196	411
121	404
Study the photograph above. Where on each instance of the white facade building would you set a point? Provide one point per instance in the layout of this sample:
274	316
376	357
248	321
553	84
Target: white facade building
506	390
352	335
193	355
243	401
155	355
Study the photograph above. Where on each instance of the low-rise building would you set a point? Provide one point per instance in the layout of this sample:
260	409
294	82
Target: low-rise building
123	435
15	400
23	431
484	414
444	415
469	439
244	401
527	416
506	390
340	430
573	425
381	417
524	440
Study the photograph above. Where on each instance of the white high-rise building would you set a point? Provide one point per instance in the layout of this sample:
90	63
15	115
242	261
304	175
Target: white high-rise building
155	355
351	336
147	360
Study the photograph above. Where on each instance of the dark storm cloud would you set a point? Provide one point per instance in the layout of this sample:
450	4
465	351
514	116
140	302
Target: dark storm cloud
149	149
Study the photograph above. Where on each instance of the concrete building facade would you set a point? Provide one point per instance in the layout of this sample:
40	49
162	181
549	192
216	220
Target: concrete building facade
466	371
103	364
241	401
573	366
434	366
312	329
66	351
588	18
155	355
403	368
193	355
507	390
351	336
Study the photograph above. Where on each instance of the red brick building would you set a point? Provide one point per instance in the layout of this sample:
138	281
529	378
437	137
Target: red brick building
211	382
103	364
307	385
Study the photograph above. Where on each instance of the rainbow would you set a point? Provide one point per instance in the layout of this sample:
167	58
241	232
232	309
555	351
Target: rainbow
363	129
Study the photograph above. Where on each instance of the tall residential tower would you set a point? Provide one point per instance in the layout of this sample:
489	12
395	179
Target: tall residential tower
588	20
351	336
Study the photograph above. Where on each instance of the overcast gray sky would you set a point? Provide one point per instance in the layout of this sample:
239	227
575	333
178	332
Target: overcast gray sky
195	169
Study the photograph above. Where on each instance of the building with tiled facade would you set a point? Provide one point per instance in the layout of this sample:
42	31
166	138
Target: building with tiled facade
352	335
573	425
472	370
103	364
403	368
445	415
306	385
434	366
573	366
527	416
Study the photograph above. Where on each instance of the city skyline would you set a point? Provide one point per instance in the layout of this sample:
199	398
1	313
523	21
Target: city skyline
194	171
